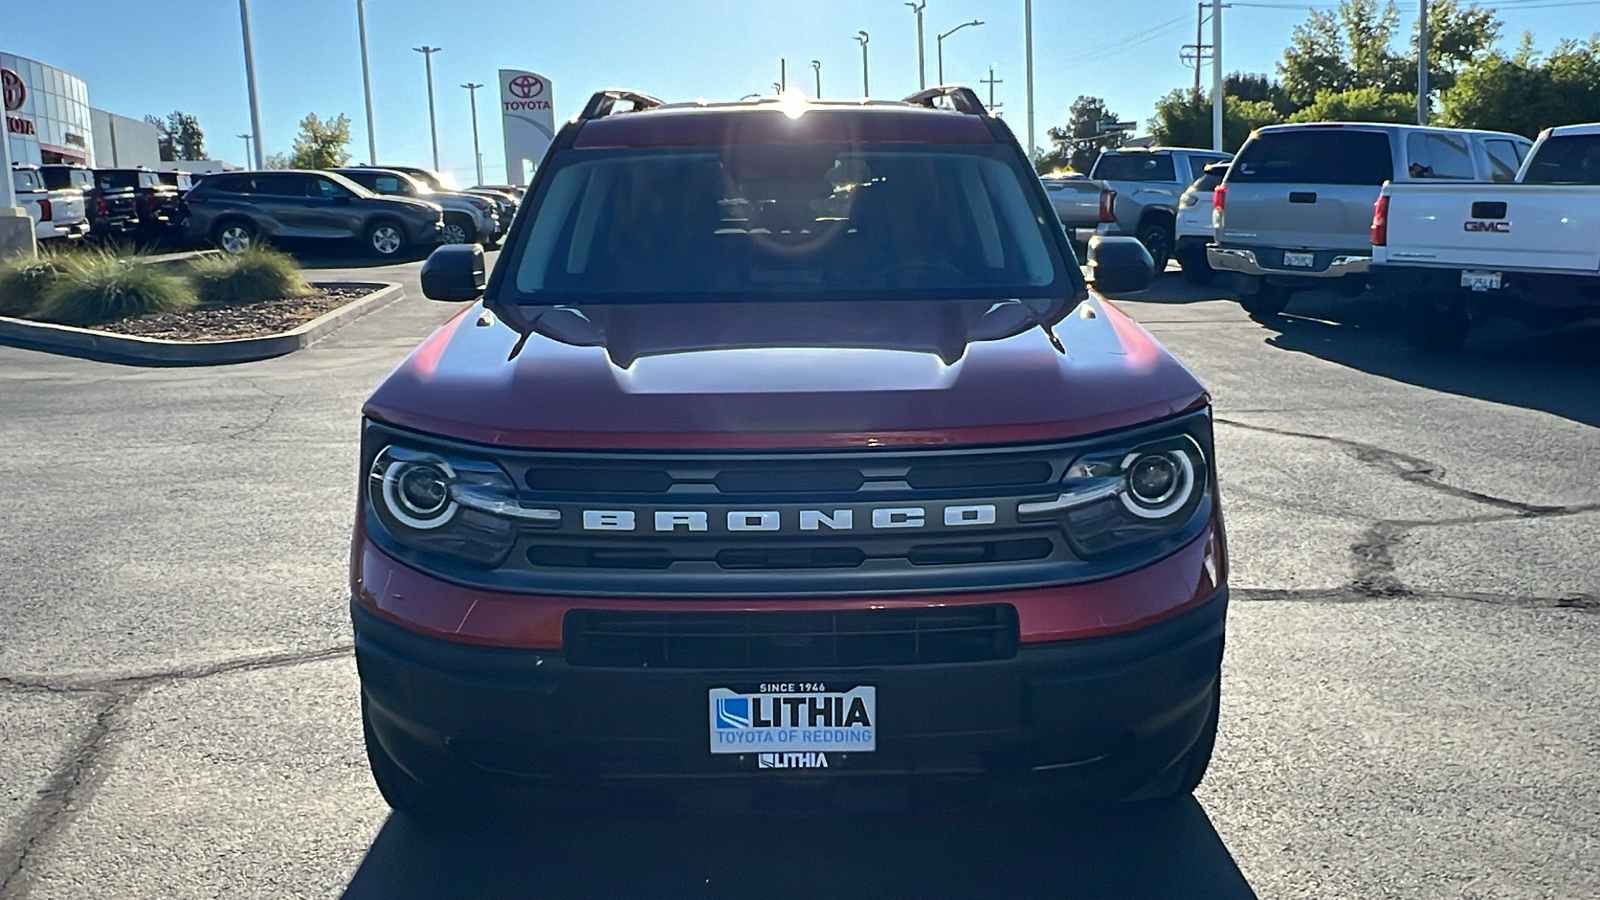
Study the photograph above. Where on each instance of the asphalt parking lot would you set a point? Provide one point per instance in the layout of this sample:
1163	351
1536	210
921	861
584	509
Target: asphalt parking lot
1412	688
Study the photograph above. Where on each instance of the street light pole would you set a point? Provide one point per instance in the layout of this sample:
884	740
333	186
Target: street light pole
922	61
1027	26
247	138
866	90
433	122
940	43
1422	64
477	155
366	83
250	79
1216	74
816	66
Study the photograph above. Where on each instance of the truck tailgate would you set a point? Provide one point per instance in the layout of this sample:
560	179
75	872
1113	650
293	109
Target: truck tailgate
1495	226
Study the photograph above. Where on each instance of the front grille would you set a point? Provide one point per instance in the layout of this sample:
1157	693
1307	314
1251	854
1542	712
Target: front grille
790	639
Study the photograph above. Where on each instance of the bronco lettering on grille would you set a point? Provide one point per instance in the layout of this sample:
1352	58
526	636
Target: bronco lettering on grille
681	521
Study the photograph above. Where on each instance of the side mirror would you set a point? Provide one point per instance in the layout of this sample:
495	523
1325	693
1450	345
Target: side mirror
454	272
1119	265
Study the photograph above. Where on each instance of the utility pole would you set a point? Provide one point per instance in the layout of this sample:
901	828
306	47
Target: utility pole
1422	64
250	79
939	43
922	59
1198	52
366	83
477	155
433	122
991	81
862	38
816	66
783	75
246	138
1027	26
1216	74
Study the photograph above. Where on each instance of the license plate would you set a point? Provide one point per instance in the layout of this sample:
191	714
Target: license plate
1481	281
790	718
1299	260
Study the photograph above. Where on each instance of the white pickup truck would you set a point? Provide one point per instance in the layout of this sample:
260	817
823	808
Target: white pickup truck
1450	255
58	215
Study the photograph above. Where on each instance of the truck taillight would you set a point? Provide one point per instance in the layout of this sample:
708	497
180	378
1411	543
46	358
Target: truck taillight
1108	205
1380	222
1219	196
44	210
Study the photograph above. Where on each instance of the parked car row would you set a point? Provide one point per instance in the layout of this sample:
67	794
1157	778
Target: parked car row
390	210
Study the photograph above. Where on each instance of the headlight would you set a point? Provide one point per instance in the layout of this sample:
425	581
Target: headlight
456	506
1116	499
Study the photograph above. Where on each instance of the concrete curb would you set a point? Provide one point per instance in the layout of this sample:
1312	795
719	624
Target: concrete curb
144	351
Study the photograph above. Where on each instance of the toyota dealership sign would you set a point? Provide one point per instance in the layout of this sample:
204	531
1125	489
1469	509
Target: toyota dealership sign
529	120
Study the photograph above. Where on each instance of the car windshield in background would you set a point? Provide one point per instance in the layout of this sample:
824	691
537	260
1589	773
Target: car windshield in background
1315	156
1135	167
814	221
1566	159
1209	179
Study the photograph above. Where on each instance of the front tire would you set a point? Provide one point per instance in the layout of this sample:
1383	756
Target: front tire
403	793
1196	269
1184	775
385	239
457	230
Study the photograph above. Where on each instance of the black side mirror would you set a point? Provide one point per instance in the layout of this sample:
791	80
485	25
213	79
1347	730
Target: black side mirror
1119	265
454	272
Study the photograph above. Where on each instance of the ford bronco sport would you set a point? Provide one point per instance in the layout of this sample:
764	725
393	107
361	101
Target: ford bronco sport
786	454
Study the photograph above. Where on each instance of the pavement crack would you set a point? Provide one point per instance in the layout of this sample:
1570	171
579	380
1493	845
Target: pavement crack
70	783
1374	574
1414	470
1579	601
123	683
277	401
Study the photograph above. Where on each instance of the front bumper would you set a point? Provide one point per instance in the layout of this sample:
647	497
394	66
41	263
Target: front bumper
1092	718
1250	261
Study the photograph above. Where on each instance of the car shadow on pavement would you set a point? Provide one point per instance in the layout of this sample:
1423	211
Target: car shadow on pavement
1158	850
1554	371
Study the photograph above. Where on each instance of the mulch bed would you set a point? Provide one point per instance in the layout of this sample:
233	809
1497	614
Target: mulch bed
223	322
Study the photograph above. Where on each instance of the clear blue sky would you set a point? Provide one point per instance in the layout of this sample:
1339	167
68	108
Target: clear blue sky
152	56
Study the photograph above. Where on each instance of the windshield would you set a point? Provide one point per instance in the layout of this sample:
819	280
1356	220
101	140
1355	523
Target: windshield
814	221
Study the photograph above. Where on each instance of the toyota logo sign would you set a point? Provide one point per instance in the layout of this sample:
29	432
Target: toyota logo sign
15	91
524	86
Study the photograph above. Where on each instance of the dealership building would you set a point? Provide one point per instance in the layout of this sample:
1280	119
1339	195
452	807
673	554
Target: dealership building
48	120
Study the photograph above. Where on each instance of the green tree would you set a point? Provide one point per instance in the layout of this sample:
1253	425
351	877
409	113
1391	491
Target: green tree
1524	92
179	136
1081	142
1355	47
1183	119
321	145
1364	104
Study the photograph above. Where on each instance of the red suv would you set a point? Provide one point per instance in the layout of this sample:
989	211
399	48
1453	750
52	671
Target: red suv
787	453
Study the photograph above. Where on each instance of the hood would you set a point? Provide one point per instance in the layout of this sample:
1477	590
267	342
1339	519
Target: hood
410	202
786	375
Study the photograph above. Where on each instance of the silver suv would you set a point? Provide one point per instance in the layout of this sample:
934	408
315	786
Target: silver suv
1296	206
1140	191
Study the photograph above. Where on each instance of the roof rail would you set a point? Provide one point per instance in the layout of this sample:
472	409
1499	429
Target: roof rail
964	99
601	104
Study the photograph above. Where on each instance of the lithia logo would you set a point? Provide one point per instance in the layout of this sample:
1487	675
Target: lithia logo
669	521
